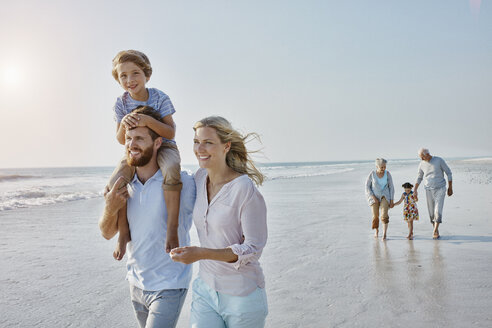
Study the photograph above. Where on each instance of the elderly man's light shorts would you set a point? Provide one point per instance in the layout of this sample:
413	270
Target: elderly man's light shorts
435	203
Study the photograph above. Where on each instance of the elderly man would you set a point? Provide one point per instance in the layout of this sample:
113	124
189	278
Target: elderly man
431	170
158	285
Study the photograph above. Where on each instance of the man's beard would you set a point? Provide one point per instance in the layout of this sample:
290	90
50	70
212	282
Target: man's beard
144	159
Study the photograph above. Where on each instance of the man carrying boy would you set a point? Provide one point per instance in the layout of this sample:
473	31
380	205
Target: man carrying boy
431	170
158	285
132	70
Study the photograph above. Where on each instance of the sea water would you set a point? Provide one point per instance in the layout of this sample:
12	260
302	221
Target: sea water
28	187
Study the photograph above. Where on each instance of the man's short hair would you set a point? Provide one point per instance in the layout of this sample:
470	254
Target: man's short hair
149	111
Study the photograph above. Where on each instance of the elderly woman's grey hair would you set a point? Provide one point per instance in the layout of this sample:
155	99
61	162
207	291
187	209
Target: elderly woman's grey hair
423	151
380	161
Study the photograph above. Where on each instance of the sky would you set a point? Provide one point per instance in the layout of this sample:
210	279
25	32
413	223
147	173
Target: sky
318	80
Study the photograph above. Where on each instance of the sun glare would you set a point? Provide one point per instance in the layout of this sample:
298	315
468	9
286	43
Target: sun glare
11	76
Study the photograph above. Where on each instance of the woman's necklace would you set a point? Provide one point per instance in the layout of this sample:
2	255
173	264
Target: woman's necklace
214	188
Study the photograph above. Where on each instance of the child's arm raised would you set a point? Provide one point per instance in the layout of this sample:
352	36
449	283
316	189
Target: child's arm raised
401	199
120	133
127	122
165	127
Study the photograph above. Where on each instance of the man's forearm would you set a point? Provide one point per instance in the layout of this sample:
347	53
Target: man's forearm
108	224
115	200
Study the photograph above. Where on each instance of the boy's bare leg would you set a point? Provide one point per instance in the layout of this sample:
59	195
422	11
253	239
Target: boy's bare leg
171	197
123	236
127	172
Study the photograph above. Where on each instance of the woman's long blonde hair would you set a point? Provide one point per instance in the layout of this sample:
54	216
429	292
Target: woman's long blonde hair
237	157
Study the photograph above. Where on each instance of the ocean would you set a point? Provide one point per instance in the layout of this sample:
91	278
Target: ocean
29	187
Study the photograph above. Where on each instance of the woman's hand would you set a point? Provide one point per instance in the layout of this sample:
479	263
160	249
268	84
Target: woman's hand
391	205
187	254
376	201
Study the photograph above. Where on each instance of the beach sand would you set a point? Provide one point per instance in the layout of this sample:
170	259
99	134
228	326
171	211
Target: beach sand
322	265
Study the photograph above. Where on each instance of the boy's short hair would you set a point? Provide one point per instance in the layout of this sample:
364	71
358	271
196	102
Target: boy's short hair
407	185
147	110
134	56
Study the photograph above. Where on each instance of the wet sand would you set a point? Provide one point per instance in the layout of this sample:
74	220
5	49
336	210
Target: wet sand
323	268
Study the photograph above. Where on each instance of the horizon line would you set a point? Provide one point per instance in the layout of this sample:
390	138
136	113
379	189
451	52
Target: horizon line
260	163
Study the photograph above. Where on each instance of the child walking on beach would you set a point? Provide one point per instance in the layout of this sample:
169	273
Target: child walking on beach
132	70
410	210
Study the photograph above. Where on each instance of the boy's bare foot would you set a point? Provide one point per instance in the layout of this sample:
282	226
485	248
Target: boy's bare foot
120	249
172	241
384	237
376	233
410	236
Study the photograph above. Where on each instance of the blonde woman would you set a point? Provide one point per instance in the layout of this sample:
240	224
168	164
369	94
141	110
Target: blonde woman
230	217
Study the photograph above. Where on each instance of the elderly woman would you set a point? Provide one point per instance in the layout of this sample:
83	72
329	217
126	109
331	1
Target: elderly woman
380	194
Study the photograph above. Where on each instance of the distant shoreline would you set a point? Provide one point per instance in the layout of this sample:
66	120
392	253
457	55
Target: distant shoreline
268	164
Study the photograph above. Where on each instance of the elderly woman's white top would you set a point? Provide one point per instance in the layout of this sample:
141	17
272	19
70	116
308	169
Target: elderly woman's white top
235	218
373	188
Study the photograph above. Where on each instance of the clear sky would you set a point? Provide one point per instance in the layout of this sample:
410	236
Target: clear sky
318	80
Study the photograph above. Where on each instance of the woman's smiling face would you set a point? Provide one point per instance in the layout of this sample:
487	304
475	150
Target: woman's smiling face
208	148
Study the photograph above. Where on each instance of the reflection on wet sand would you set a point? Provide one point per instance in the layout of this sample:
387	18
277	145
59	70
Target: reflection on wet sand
436	284
414	267
385	276
411	281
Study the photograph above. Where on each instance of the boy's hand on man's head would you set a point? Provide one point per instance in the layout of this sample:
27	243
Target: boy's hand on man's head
143	120
131	121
